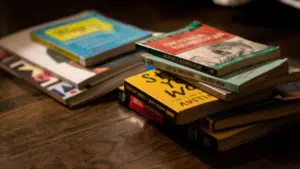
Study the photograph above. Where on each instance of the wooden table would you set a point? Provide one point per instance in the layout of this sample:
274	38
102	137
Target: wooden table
38	132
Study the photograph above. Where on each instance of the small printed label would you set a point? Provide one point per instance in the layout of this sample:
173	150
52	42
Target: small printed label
3	54
64	90
78	29
140	107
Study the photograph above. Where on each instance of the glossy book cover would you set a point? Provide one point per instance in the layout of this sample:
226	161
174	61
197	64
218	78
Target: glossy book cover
84	37
207	49
172	92
181	102
79	76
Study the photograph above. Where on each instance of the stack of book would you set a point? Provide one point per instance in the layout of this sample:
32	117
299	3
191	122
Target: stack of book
218	88
209	85
74	59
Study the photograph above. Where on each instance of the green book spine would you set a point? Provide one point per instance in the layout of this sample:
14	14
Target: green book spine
195	75
231	82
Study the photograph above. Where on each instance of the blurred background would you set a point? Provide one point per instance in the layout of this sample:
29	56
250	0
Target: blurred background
265	21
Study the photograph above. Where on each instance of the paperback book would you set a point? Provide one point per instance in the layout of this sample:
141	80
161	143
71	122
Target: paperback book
71	72
181	102
197	132
228	139
89	38
293	75
207	49
59	89
258	113
237	81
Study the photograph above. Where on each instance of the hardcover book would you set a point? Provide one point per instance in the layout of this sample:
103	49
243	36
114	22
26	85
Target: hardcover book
59	89
293	75
89	38
237	81
71	72
181	102
208	49
258	113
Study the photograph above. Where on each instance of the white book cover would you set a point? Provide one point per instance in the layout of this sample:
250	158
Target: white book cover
21	45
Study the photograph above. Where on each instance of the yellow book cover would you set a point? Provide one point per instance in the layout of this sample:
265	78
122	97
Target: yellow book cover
178	100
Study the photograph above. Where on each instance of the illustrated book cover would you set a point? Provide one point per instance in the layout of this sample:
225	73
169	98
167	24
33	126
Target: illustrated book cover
77	75
181	102
89	38
208	49
60	90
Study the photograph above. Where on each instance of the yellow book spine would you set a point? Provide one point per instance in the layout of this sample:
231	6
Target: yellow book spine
55	48
167	112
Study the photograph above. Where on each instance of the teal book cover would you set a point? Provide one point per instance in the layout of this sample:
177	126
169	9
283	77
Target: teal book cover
231	82
83	37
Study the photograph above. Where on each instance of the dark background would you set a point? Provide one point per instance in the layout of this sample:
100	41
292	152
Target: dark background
265	21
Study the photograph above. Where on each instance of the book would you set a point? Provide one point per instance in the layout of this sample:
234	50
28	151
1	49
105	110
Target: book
200	134
139	106
229	139
207	49
288	91
246	116
181	102
58	89
293	75
237	81
71	72
89	38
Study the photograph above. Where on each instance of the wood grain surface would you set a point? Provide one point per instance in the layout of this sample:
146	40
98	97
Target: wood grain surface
36	132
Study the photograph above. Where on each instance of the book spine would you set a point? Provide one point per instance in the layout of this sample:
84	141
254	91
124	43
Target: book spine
169	113
187	131
178	60
213	92
192	75
211	124
55	48
268	53
33	82
140	107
